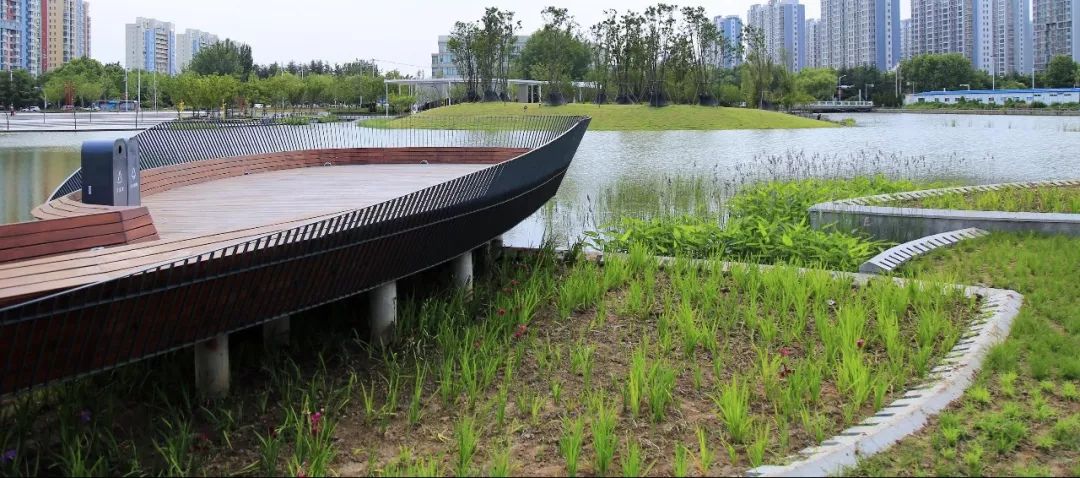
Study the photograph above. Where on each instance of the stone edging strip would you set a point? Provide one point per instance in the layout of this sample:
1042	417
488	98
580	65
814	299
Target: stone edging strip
894	257
901	224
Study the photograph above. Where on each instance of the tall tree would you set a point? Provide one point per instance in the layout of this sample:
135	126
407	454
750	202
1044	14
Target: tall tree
758	75
17	89
1061	72
660	45
462	46
556	54
705	42
224	58
941	71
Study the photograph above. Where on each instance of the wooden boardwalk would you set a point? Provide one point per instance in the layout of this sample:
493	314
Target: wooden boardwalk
208	216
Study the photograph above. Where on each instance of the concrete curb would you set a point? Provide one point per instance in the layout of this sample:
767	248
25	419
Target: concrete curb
894	257
903	224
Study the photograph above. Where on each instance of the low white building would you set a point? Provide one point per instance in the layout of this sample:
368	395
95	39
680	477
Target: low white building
1048	96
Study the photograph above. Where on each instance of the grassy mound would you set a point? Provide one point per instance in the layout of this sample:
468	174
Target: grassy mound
618	117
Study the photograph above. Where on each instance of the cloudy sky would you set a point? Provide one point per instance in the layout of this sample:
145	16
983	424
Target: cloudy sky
399	33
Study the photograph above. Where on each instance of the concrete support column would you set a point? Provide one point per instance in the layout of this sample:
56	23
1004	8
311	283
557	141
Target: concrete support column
463	271
383	313
496	246
212	366
276	333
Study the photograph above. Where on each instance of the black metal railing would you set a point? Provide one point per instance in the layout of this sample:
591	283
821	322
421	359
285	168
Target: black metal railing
177	142
181	302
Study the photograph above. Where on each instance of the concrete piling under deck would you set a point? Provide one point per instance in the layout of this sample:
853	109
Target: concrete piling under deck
212	366
276	333
463	271
383	312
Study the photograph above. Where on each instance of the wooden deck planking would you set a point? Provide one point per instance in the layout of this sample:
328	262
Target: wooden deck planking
249	201
200	218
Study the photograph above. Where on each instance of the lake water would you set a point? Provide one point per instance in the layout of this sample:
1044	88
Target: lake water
972	149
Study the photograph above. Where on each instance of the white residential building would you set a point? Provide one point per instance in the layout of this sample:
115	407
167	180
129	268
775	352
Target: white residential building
150	45
783	25
813	43
905	39
860	32
995	35
189	43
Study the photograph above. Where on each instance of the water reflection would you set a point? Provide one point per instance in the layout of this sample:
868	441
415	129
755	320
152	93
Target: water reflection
39	170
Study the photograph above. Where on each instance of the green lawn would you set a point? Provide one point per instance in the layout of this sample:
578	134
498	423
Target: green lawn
626	118
1022	415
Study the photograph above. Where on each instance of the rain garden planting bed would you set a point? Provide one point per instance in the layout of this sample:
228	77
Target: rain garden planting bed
549	368
1021	416
1036	198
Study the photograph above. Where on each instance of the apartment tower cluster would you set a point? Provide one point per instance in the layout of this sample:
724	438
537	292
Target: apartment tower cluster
41	35
996	35
154	46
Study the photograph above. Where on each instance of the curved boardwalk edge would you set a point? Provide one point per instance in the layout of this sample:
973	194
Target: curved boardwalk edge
902	224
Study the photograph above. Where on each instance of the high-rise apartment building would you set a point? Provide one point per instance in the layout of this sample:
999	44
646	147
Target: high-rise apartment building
1012	37
813	43
860	32
150	46
731	29
42	35
905	39
14	34
995	35
782	23
1054	34
189	43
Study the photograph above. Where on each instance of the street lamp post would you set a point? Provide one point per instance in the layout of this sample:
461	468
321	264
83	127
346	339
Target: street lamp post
839	95
968	85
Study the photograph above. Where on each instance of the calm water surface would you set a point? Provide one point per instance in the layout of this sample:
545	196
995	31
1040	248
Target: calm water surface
973	149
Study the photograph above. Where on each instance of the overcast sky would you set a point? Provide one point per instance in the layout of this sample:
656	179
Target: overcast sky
399	33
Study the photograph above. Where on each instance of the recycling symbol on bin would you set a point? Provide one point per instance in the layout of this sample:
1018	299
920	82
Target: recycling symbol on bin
134	174
119	177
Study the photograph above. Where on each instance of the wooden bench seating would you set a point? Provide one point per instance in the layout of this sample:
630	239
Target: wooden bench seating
91	228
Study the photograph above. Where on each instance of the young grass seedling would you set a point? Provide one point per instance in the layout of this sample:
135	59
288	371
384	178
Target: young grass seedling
467	439
570	444
603	434
705	455
633	460
681	466
755	452
734	405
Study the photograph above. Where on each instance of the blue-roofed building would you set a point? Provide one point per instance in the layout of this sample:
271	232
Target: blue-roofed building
1048	96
